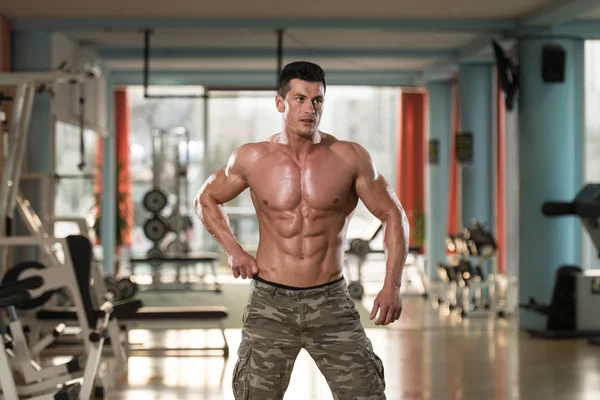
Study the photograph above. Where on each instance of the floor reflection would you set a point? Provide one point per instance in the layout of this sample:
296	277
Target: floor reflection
429	354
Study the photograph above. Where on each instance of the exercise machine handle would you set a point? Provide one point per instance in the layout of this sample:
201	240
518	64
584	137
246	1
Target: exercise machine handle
557	208
14	298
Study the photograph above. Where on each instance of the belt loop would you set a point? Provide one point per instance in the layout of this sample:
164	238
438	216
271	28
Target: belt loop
273	291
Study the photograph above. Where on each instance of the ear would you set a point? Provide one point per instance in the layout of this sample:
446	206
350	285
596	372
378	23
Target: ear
279	103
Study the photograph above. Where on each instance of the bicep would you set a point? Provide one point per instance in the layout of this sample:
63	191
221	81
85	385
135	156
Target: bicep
228	182
377	195
224	185
373	189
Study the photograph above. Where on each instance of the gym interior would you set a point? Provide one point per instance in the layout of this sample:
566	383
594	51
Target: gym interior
483	116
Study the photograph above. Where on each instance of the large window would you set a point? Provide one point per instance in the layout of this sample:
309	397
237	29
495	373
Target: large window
592	135
367	115
73	186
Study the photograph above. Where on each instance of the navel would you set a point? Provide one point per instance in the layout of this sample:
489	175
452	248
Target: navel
335	201
265	202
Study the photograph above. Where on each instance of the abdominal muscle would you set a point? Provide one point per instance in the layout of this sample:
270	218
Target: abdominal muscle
300	251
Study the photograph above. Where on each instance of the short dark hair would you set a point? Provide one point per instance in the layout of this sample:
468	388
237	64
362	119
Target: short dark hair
304	70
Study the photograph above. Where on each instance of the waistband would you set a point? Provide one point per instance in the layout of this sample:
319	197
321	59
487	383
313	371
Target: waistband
274	287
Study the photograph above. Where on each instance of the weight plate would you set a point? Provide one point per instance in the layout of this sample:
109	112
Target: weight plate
177	247
155	200
127	287
155	256
112	288
360	247
356	290
156	228
176	223
12	276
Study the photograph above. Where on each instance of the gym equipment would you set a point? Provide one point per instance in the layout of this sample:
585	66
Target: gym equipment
9	297
96	324
465	281
155	200
572	312
57	254
360	248
127	287
26	84
130	313
167	226
156	228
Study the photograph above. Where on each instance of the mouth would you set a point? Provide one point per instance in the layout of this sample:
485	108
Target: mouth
307	121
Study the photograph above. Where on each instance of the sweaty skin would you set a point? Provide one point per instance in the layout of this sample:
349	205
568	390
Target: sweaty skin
305	186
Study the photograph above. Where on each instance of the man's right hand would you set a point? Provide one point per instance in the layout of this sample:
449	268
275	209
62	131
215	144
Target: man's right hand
243	264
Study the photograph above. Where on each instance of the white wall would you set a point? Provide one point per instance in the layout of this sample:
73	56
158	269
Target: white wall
66	100
592	135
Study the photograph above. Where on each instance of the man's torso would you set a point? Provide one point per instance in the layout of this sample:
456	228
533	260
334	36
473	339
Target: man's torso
303	207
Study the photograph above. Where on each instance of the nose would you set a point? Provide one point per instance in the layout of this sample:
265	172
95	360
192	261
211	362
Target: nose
310	108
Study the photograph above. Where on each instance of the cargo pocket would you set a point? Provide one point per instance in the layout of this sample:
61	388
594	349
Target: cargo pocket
376	369
240	381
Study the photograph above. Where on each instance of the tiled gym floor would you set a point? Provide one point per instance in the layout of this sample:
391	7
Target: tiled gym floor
428	354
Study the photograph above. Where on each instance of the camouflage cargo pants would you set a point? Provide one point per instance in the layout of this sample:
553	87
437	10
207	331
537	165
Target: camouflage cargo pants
279	321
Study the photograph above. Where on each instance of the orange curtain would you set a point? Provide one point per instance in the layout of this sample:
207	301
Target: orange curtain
500	202
410	167
122	121
453	184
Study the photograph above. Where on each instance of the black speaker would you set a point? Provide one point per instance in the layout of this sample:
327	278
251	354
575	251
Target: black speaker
553	63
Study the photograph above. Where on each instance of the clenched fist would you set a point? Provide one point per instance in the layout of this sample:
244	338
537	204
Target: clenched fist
243	264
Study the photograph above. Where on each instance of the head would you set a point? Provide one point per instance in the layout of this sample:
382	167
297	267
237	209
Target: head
300	97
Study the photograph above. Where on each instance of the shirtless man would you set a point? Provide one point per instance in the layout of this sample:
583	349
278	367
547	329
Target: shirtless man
305	185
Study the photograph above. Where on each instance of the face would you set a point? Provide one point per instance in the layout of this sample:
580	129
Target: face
302	107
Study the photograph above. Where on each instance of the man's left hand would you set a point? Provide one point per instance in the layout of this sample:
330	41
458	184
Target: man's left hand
389	304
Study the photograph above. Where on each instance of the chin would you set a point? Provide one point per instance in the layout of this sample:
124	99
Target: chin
304	133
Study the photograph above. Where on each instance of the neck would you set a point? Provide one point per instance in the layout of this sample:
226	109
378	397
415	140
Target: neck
299	145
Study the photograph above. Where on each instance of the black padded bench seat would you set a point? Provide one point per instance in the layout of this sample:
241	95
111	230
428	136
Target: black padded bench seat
178	313
197	257
166	317
120	310
143	313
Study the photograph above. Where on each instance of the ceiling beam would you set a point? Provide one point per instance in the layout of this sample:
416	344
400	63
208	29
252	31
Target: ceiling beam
259	78
558	12
478	50
137	53
413	25
587	29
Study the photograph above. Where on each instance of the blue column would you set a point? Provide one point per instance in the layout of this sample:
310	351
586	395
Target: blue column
438	175
31	52
550	168
108	225
476	116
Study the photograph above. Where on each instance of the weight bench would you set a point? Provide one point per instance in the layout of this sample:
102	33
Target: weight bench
156	261
132	312
152	318
361	248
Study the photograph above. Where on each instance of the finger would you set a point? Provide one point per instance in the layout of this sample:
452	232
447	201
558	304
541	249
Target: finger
398	313
236	272
382	314
243	272
254	268
390	316
374	310
250	270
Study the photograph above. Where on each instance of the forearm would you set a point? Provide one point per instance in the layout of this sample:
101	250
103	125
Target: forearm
395	242
216	222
